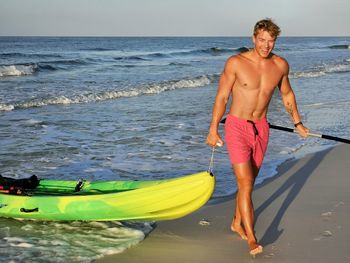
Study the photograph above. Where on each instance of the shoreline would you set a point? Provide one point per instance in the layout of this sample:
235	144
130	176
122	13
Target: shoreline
301	216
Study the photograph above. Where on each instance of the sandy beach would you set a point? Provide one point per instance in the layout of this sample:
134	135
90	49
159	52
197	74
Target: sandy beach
301	216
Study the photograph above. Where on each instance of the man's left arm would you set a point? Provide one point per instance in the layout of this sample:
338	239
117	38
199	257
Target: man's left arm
290	104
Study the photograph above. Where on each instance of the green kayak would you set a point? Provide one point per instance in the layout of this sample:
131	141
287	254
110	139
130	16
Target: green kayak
109	200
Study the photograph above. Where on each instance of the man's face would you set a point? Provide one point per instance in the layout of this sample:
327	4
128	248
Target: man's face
264	43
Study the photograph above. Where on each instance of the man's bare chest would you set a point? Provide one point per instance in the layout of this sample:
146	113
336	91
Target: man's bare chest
258	77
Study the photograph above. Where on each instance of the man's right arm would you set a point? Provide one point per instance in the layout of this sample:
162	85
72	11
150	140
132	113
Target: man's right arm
226	82
290	103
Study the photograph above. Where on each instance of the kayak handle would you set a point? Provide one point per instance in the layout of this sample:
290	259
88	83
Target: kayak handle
24	210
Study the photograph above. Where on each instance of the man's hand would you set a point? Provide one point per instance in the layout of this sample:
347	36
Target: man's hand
214	139
302	130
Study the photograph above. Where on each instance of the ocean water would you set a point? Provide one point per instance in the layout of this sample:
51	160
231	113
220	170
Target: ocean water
140	108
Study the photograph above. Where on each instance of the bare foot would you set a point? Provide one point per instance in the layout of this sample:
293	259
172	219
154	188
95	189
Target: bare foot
255	249
239	230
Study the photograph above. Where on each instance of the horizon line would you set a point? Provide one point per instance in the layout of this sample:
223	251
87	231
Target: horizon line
163	36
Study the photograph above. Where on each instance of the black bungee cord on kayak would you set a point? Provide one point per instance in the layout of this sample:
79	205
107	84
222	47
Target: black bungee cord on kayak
79	185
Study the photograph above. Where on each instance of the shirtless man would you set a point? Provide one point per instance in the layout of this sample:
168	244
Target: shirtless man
251	78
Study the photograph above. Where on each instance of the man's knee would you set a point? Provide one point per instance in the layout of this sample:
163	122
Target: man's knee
245	188
245	185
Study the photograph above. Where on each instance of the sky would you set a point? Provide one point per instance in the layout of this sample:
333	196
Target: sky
171	17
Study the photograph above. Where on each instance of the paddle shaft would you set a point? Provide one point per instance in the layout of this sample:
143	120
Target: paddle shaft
323	136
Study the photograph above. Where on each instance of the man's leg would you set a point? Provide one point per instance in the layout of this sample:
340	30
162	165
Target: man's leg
236	225
245	174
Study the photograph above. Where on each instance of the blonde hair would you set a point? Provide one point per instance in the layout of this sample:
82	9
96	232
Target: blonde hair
267	25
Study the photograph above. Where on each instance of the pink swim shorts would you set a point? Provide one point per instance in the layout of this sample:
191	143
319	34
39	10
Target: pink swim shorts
246	140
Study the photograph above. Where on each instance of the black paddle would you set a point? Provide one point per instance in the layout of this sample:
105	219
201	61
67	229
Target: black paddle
324	136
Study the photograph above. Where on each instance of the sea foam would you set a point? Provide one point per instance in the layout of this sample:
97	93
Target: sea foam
320	70
17	70
151	89
69	241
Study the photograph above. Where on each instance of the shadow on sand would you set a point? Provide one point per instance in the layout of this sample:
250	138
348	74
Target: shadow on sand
293	186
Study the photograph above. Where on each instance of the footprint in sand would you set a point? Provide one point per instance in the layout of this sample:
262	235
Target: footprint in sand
323	235
339	204
270	255
326	216
327	233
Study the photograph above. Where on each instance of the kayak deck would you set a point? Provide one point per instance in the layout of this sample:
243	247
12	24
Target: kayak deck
62	187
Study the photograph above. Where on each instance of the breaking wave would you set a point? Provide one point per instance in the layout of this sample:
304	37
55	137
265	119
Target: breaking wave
151	89
44	62
340	46
18	70
214	51
321	70
31	68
